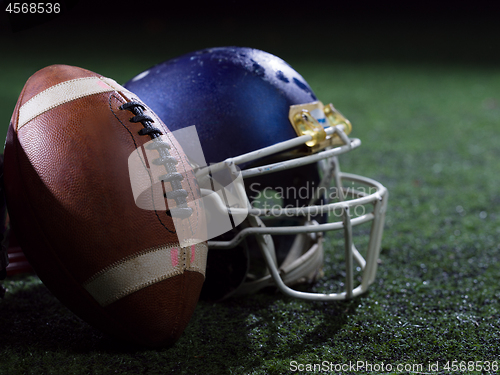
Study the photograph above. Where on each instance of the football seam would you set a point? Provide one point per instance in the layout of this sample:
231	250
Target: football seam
191	190
135	144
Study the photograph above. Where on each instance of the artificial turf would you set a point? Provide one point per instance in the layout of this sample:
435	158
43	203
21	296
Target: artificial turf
430	134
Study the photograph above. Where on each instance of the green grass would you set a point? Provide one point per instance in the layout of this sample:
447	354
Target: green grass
430	134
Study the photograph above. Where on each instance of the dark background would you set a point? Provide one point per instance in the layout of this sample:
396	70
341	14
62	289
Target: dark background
420	82
412	30
305	13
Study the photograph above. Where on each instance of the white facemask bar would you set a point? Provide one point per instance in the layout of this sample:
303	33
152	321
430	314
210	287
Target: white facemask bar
262	233
350	144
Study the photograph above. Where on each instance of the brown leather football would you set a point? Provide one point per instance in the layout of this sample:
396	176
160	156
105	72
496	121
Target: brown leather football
119	267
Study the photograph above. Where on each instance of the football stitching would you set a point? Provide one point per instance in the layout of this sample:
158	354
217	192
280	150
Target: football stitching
136	146
188	182
169	162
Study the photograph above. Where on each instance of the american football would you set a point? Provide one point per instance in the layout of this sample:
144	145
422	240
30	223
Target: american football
117	266
346	159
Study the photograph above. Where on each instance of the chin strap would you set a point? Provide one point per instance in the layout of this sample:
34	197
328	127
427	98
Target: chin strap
303	263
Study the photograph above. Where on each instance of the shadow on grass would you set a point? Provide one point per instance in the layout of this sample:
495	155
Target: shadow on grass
239	334
246	333
31	317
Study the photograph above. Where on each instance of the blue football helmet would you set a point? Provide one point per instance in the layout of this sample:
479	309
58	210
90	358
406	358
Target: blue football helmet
253	110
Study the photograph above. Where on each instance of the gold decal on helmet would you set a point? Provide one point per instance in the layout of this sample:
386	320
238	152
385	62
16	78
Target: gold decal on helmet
336	118
305	123
313	118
